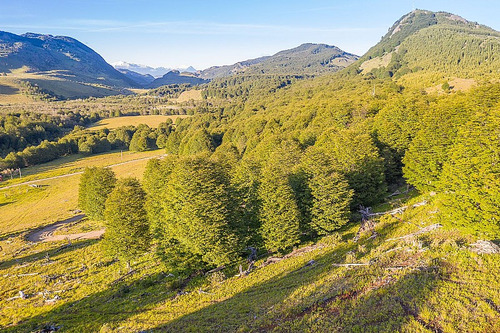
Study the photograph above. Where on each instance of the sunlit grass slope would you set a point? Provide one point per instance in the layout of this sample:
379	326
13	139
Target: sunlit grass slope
429	282
25	207
152	121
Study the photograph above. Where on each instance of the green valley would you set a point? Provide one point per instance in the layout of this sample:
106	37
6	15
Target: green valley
309	191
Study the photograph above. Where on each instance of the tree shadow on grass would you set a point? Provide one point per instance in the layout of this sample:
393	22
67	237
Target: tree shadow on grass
321	298
12	234
275	305
294	296
89	314
64	248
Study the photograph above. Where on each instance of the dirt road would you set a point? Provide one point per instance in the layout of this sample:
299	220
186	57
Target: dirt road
46	234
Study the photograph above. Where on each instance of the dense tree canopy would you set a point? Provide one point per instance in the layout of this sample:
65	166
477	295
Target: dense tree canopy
127	227
95	186
471	175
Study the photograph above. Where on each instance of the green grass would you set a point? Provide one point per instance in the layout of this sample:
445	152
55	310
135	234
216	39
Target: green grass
431	282
25	207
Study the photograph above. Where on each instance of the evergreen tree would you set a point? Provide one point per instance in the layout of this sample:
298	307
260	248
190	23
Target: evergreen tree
95	186
245	180
331	201
471	176
127	230
423	162
173	142
199	211
352	153
279	214
197	142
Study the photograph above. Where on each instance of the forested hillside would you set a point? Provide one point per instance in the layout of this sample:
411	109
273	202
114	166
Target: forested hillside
361	200
306	59
430	47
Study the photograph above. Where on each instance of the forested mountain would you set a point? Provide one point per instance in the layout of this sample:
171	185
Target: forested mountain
58	56
306	59
434	44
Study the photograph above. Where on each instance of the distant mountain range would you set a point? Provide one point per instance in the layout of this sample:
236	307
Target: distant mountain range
155	72
306	59
440	42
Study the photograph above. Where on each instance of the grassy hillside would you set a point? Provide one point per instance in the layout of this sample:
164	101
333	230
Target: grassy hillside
20	86
25	207
391	279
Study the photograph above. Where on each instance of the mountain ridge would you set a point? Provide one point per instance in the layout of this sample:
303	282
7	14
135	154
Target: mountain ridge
307	58
65	55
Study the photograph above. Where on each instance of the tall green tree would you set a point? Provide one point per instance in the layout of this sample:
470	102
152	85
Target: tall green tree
95	186
353	153
199	211
279	213
424	159
197	142
471	176
127	229
331	202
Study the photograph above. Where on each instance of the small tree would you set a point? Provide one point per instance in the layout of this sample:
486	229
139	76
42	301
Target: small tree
127	229
95	186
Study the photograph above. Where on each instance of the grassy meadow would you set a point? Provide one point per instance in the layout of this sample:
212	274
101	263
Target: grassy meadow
25	207
152	121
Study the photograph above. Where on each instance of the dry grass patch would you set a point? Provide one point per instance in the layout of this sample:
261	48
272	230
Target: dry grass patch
377	62
152	121
188	95
25	207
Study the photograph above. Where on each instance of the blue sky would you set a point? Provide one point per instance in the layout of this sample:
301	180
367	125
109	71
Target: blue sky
206	33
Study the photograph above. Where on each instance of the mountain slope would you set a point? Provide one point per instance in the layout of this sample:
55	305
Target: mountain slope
309	59
428	42
61	67
140	79
66	56
176	77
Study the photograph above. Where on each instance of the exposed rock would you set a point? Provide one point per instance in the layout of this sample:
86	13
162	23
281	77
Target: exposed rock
485	247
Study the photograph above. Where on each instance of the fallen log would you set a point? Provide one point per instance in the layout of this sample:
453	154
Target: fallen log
123	277
220	268
421	231
351	265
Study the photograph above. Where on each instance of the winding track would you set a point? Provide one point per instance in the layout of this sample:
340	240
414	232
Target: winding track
46	234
